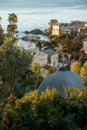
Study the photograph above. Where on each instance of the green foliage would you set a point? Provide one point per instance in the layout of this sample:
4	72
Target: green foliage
39	45
78	106
84	74
81	62
14	67
0	19
75	94
52	70
12	18
45	111
34	80
75	67
49	59
35	67
68	42
11	28
1	36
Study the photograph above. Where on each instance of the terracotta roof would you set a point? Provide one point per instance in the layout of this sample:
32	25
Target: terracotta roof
47	67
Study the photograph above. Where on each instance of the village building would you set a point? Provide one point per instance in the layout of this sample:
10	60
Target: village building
44	57
53	27
76	25
65	28
83	32
56	30
51	23
85	25
85	46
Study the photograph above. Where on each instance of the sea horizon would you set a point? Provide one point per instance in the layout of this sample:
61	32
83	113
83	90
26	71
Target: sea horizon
34	14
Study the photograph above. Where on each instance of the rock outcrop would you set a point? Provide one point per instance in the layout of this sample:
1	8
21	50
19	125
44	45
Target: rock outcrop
35	31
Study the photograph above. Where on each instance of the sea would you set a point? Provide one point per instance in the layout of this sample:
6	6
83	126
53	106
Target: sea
35	14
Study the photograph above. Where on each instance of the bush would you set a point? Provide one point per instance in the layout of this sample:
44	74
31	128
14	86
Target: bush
43	112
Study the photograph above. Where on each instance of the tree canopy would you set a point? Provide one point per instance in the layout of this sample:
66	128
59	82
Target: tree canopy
11	28
84	74
46	111
75	67
14	67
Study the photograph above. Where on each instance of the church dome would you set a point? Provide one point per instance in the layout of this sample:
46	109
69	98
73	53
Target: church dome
60	80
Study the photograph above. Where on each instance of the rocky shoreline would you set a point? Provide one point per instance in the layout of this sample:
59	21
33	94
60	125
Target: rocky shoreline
36	38
33	39
38	31
30	38
35	31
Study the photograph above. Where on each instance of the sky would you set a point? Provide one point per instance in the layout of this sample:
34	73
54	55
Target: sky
21	3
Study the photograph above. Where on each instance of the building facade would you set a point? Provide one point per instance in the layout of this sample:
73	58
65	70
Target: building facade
53	27
56	29
85	45
41	57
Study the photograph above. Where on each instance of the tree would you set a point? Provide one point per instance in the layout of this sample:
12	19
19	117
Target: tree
1	36
0	20
39	45
34	81
75	67
35	76
35	67
44	111
69	43
82	60
12	18
1	33
11	28
84	74
14	68
49	59
52	70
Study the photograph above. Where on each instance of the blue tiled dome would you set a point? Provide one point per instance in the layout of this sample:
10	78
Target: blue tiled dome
60	80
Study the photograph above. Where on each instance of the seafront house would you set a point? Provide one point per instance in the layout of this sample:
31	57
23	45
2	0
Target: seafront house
53	27
51	23
56	29
74	28
65	28
44	57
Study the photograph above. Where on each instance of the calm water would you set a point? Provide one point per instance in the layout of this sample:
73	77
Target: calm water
37	13
27	43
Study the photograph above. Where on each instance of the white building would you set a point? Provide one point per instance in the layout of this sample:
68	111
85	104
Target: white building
65	29
85	45
41	57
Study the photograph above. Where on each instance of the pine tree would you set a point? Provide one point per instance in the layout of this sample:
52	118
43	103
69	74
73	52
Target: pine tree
14	68
12	27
